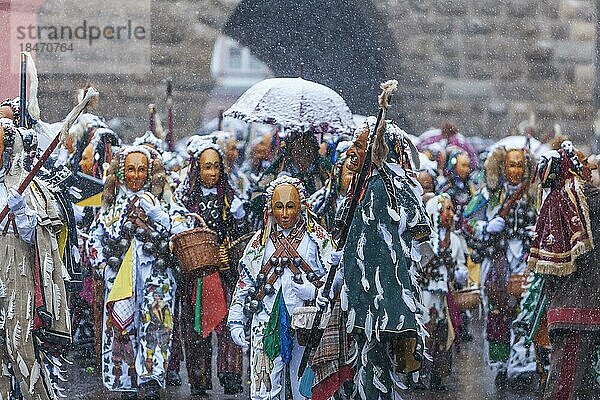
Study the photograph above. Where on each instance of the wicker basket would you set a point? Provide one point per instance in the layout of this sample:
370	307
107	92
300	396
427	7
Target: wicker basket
197	249
467	299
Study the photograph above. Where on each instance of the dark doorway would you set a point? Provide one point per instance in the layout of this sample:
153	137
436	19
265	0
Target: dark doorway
344	44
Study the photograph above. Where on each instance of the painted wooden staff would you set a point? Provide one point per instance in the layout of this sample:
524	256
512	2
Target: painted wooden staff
23	92
69	120
374	155
170	122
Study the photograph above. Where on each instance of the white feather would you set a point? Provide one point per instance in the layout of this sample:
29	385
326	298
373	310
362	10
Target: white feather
28	311
402	222
344	298
405	247
387	238
414	221
369	325
29	330
365	217
377	330
11	305
22	265
64	272
57	300
2	289
48	268
34	377
400	323
393	214
427	356
360	245
22	366
5	370
351	320
363	280
361	383
17	335
397	382
2	318
371	216
379	297
409	300
377	371
384	320
364	353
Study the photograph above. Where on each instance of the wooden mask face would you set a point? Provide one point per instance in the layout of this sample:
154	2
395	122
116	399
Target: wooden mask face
285	205
210	168
136	171
356	153
514	166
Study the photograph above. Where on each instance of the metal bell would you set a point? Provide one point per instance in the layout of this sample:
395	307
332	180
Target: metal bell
160	264
285	260
297	262
254	306
476	257
247	312
311	276
260	278
114	262
155	237
141	234
274	261
248	299
127	229
163	248
269	289
279	270
252	292
123	245
298	278
149	248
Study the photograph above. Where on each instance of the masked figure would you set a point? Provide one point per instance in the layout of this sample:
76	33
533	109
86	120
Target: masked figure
326	201
498	222
458	184
206	192
564	257
380	291
280	271
444	271
34	317
130	249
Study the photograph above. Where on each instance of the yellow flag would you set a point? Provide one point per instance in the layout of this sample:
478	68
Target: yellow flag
123	286
62	240
92	201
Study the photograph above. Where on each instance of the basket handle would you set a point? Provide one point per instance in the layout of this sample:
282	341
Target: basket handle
198	218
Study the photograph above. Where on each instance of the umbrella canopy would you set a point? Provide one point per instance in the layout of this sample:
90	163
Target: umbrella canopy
433	136
295	104
519	142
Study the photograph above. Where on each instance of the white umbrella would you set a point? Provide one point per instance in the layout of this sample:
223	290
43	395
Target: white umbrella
295	104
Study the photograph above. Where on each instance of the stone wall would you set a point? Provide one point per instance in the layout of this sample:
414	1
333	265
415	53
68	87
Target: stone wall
487	64
484	64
